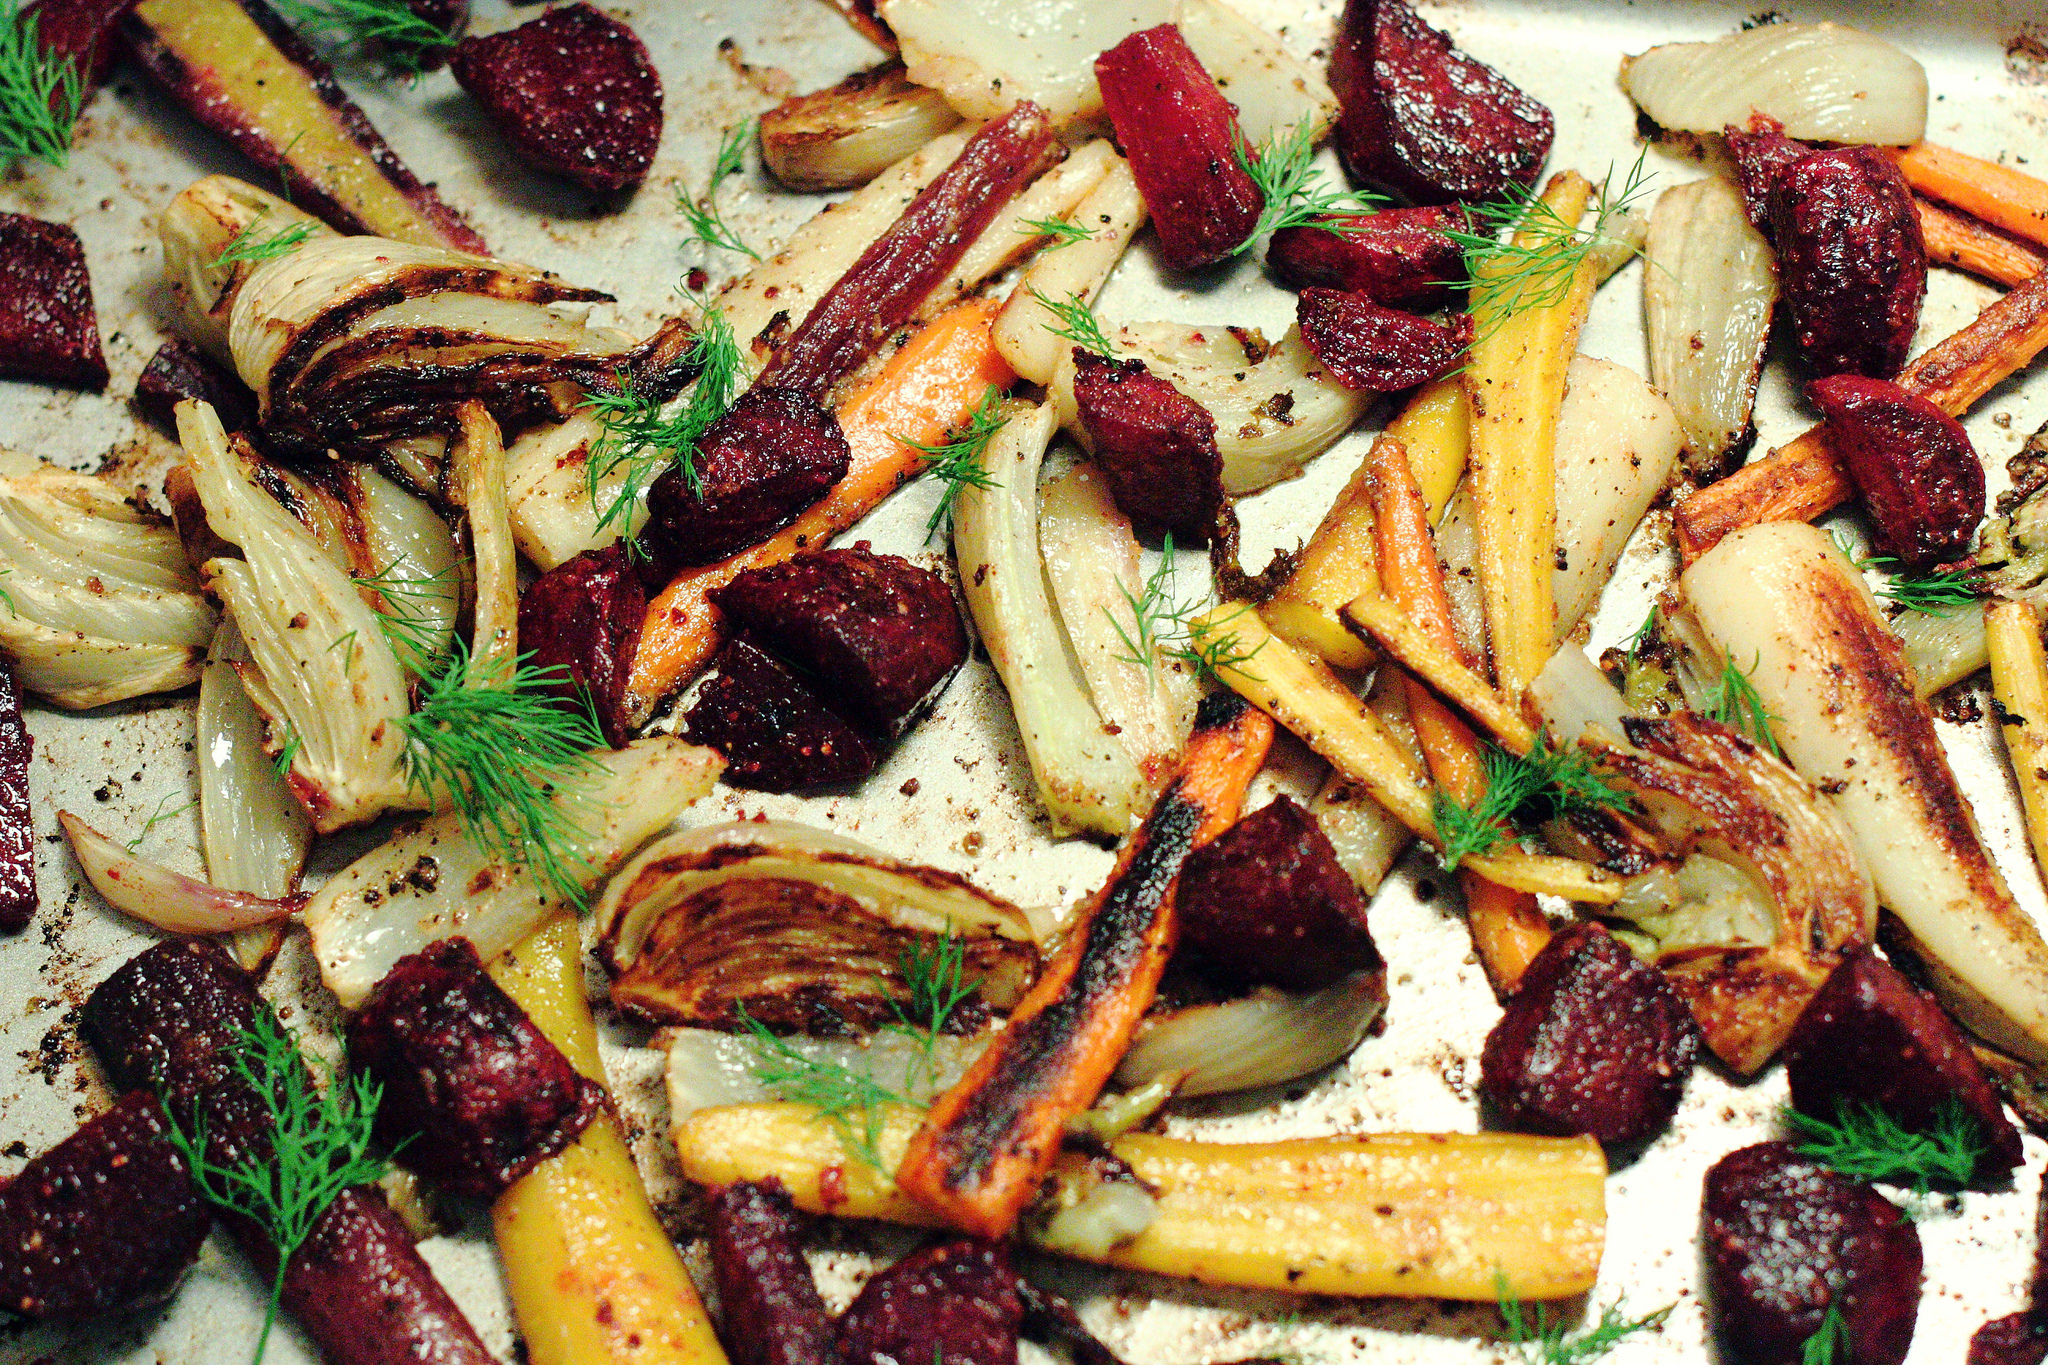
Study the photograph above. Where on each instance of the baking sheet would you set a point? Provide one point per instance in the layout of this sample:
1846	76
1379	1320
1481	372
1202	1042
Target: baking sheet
970	808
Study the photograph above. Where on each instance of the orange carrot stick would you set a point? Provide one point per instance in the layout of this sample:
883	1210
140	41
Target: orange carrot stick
927	389
1508	929
2000	195
988	1143
1958	240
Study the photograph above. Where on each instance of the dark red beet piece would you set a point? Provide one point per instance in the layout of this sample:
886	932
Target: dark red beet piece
1759	152
1920	477
105	1219
574	91
883	289
2011	1340
482	1094
880	633
82	30
1400	258
956	1301
1851	259
171	1017
1051	1321
1366	346
48	329
773	1314
17	817
582	619
1423	119
1785	1238
178	371
1155	445
1593	1041
774	454
1267	903
1182	139
775	733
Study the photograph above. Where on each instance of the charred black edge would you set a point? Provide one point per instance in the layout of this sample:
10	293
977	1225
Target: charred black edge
1050	1320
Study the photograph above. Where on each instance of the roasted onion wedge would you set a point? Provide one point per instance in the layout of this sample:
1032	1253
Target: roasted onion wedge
1824	82
846	135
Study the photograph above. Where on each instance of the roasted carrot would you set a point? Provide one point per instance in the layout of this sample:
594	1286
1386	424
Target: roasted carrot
2000	195
927	389
1958	240
1507	928
1801	480
987	1143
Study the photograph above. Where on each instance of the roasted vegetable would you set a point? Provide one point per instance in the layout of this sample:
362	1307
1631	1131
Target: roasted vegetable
952	1301
104	1220
1760	150
776	733
846	135
1027	329
1822	81
769	1303
156	895
573	91
1154	444
17	817
1400	258
1618	443
582	619
1365	345
215	233
241	70
179	371
1425	120
1268	1037
1851	259
1921	481
48	328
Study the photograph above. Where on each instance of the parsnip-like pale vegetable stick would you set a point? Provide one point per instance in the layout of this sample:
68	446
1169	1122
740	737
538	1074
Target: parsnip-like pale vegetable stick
2000	195
1617	443
1451	1215
1958	240
2019	679
1390	625
1367	838
593	1277
1111	214
1307	698
1782	603
1515	380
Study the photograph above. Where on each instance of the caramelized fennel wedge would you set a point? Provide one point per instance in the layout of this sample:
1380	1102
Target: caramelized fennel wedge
1781	602
1442	1215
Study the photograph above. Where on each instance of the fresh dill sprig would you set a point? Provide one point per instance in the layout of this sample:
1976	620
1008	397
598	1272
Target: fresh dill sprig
1078	323
937	980
6	597
1295	195
958	462
1217	649
1830	1344
403	619
1645	633
707	225
1521	790
402	37
508	758
289	754
157	817
1933	594
1865	1142
849	1100
643	441
1063	232
1509	276
248	247
1737	705
319	1146
41	92
1158	621
1544	1340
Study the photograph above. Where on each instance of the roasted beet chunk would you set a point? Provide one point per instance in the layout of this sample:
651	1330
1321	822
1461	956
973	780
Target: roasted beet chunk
106	1218
758	467
1593	1041
1182	139
2011	1340
17	818
574	91
1400	258
880	633
773	1314
1851	259
1365	346
480	1092
178	371
82	30
775	733
48	329
956	1301
1920	478
1156	446
1760	151
1870	1038
1785	1238
1425	120
1266	903
582	619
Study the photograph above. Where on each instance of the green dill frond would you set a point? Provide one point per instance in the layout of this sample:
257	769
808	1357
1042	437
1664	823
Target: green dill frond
848	1100
1737	705
416	639
639	438
1064	233
1510	277
402	38
1933	594
247	246
157	817
1830	1344
1078	323
1544	1340
1644	634
1158	621
1295	195
1522	791
289	754
319	1146
6	597
959	461
1865	1142
707	225
1215	650
508	758
936	978
41	92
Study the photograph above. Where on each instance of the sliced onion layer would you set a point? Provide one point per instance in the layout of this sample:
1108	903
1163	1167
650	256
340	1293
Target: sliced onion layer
1267	1038
169	900
1824	82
